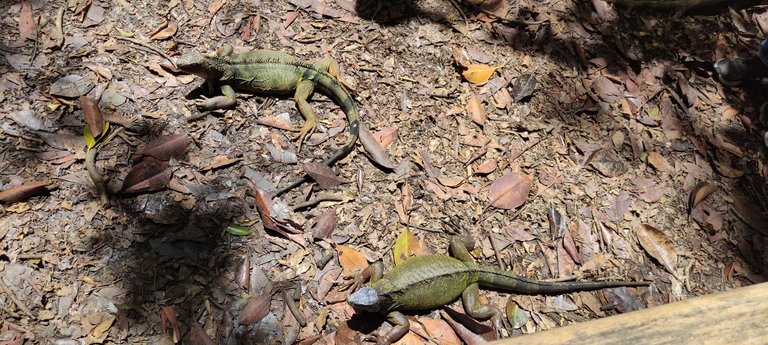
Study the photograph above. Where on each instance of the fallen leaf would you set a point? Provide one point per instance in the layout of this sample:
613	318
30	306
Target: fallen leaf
404	203
569	245
524	87
657	245
469	336
199	337
264	207
516	316
238	230
659	162
438	330
476	111
324	224
510	191
479	73
385	136
70	86
607	163
700	192
94	120
322	174
606	89
290	17
255	310
487	167
24	191
165	31
721	47
27	28
516	232
372	147
352	261
165	147
406	246
168	318
147	176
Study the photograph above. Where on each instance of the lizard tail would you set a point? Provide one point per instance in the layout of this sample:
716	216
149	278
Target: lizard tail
507	281
332	88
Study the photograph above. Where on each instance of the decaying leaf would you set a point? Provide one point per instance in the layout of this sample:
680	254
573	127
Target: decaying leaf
608	163
165	147
147	176
93	117
324	224
479	73
404	204
70	86
657	245
473	336
476	111
27	28
165	30
255	310
606	89
168	319
700	192
264	206
659	162
374	149
322	174
352	261
510	191
524	87
406	246
437	330
24	191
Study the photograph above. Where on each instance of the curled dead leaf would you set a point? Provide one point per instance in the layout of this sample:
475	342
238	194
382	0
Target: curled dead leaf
165	147
657	245
700	192
24	191
324	224
479	73
148	176
476	111
255	310
93	116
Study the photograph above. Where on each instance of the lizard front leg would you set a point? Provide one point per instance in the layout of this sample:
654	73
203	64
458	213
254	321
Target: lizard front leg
304	89
228	99
400	327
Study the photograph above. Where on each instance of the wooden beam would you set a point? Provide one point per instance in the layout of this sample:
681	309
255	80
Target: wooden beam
732	317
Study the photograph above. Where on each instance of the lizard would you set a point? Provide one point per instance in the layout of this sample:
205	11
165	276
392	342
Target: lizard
433	281
274	72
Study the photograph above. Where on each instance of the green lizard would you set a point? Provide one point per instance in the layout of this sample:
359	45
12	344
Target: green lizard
432	281
273	72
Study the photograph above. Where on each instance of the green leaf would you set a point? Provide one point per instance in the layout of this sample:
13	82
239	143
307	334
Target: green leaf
238	230
106	129
406	246
89	140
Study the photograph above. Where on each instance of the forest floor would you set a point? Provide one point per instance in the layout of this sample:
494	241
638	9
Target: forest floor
583	141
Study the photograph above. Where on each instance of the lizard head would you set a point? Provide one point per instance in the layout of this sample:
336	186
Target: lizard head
365	299
197	64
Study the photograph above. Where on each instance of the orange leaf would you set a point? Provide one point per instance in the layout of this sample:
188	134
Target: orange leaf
510	191
351	260
23	191
479	73
476	111
164	31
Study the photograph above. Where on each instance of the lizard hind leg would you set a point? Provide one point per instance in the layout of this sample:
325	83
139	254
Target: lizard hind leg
304	89
470	298
331	66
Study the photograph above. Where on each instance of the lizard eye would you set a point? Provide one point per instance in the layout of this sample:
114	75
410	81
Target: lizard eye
364	299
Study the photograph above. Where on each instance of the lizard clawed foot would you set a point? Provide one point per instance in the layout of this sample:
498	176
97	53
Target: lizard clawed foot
306	130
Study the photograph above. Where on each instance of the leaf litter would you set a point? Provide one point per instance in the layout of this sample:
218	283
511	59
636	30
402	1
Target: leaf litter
436	172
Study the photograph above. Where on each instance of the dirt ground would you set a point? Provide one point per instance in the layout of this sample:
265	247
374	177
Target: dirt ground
580	141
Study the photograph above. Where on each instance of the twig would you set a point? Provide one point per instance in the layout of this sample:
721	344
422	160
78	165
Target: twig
15	299
495	250
145	45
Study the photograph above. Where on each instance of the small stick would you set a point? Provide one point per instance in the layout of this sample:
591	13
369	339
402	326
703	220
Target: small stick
15	299
145	45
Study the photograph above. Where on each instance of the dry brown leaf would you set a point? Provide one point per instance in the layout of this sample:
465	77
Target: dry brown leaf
27	28
479	73
721	47
165	147
700	192
324	224
24	191
264	206
255	310
199	337
476	111
164	31
352	261
406	246
322	174
510	191
148	176
516	232
168	318
659	162
219	161
750	213
438	331
569	245
372	147
93	117
385	136
470	337
487	167
404	204
657	245
606	89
